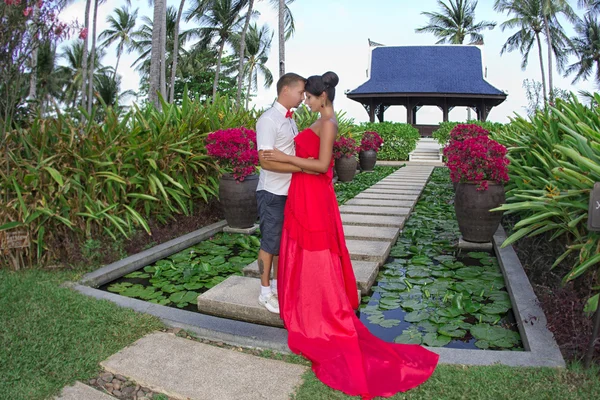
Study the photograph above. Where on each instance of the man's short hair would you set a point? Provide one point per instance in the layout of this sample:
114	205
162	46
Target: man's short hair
288	80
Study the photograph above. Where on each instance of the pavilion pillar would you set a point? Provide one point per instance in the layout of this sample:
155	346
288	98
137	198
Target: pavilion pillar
414	114
372	112
380	112
445	110
409	112
483	111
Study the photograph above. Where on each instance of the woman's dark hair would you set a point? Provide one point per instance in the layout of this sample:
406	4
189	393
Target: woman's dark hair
317	84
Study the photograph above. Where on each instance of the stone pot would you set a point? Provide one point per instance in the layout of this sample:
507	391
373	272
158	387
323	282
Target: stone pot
367	159
238	200
475	221
346	168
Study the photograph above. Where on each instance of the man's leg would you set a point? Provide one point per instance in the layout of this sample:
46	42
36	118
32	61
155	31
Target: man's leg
270	227
265	260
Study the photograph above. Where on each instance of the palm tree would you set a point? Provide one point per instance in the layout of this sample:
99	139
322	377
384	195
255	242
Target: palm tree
455	22
286	29
527	17
120	31
175	54
242	51
592	6
218	22
157	56
550	10
258	46
142	43
50	79
587	48
85	53
108	88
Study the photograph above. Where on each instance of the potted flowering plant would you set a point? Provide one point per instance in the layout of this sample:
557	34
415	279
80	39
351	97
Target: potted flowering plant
370	144
344	153
235	151
479	166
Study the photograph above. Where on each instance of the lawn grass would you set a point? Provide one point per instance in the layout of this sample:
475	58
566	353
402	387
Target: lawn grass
482	383
52	336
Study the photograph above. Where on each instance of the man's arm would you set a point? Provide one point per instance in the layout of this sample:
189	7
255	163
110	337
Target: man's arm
276	166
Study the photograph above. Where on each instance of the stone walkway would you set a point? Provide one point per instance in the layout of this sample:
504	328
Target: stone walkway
186	369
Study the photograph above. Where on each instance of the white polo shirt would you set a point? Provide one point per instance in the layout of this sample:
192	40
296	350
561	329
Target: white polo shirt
274	130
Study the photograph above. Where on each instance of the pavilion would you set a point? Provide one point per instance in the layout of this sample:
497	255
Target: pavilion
446	76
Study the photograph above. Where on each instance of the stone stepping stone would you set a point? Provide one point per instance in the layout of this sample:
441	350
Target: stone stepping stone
404	180
237	298
359	232
387	196
374	210
364	271
373	220
80	391
185	369
393	191
379	202
397	186
366	250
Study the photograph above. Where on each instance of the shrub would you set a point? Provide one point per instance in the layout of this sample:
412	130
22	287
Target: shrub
398	139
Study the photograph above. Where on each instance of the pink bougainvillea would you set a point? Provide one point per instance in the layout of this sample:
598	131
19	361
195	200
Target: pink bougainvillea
371	141
344	147
473	157
235	151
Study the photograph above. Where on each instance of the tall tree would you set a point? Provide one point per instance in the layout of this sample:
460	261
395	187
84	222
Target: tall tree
526	16
84	35
175	55
120	30
157	54
592	6
455	22
218	23
281	31
241	53
586	46
550	10
34	54
258	46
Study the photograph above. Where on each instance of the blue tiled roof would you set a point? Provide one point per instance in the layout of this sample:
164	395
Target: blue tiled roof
426	69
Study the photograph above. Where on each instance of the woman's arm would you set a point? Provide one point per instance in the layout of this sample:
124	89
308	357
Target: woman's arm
328	134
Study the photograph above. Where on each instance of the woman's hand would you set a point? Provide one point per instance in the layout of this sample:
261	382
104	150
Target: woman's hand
275	155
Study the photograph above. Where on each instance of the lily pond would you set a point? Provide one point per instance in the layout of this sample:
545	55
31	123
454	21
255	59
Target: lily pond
427	292
179	279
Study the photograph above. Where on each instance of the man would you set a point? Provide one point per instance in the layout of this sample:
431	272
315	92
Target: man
275	129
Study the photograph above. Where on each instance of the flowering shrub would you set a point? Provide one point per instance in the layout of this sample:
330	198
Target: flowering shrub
235	151
477	159
371	141
344	147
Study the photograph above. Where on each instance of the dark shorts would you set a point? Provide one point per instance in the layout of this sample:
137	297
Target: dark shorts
270	214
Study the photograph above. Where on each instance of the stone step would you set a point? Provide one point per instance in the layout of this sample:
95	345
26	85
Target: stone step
388	196
81	391
394	191
186	369
374	210
373	220
364	271
403	186
366	250
237	298
360	232
380	202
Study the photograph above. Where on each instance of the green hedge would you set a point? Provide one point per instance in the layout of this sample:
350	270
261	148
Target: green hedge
442	135
398	139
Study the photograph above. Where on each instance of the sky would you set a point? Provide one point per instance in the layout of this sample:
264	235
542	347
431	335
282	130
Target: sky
332	35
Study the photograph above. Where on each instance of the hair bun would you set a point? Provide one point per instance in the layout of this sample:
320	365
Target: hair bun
330	79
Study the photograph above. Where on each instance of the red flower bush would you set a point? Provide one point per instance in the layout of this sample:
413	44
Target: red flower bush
235	151
477	159
371	141
344	147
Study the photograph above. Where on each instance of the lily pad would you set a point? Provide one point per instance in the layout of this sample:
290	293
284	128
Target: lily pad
119	287
417	316
137	274
427	326
413	305
478	254
434	340
410	336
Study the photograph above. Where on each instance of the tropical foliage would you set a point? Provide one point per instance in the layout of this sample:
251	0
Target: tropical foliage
398	139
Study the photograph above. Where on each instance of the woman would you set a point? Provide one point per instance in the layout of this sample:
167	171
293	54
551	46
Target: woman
316	284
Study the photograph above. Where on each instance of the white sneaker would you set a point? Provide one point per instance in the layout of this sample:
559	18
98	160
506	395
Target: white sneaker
269	302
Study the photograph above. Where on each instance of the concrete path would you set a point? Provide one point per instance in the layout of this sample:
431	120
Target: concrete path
80	391
372	222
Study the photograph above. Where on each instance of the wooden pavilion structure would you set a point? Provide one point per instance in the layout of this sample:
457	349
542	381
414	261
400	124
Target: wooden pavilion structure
446	76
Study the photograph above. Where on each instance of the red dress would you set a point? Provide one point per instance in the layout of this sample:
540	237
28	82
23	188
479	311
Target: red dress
318	296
